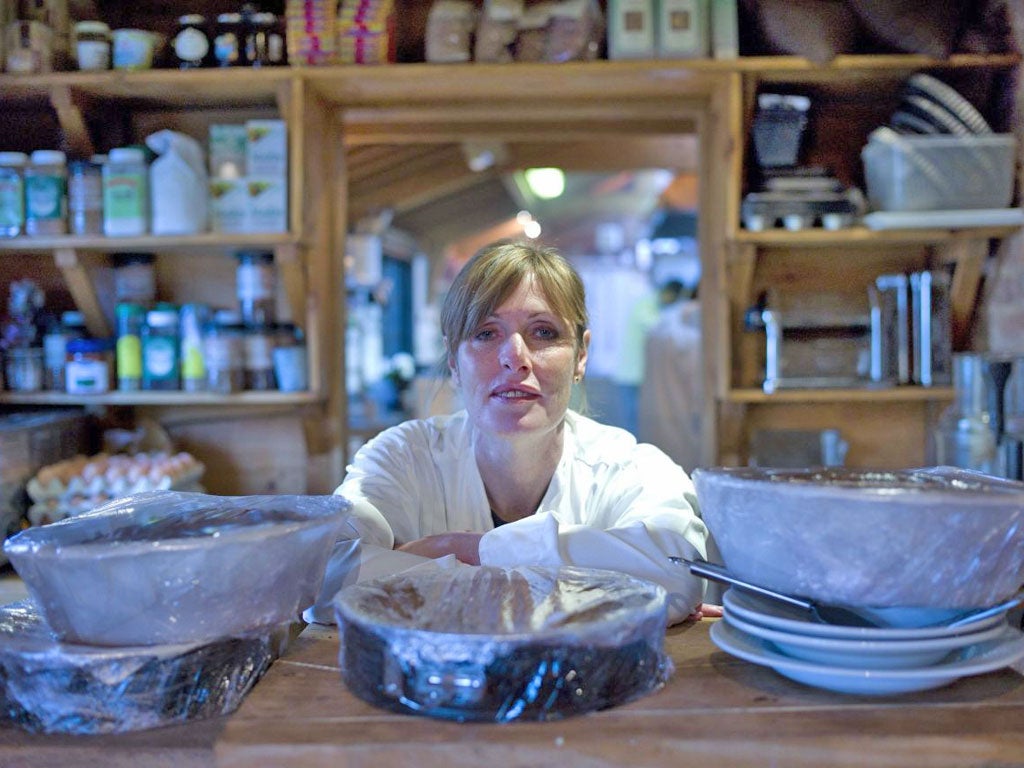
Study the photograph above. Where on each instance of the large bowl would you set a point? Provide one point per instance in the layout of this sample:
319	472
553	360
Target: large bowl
165	567
921	538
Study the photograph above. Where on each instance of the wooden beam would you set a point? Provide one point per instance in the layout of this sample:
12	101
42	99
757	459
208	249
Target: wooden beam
72	123
74	266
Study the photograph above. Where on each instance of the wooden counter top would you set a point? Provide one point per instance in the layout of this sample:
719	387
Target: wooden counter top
715	711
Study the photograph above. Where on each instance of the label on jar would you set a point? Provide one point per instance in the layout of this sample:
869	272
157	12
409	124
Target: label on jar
123	198
87	377
44	197
129	357
93	54
160	358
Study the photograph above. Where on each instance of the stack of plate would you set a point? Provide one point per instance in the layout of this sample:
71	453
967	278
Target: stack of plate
913	654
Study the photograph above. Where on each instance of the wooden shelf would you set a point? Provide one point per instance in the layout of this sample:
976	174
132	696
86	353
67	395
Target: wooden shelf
857	237
162	398
202	242
865	395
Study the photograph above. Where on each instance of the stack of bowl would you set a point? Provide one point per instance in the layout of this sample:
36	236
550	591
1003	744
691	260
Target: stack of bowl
911	550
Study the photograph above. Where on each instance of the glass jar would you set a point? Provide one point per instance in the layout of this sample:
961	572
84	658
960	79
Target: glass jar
224	353
134	278
46	200
259	358
130	319
23	368
965	436
227	41
85	197
55	348
191	45
125	193
92	45
161	365
264	45
89	366
12	193
254	281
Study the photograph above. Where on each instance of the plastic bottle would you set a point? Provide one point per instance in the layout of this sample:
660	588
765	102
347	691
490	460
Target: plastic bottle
193	368
46	199
161	367
130	320
125	193
254	281
12	193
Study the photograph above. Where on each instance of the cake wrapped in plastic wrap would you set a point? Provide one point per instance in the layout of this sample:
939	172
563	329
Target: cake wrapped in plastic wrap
167	567
52	687
496	644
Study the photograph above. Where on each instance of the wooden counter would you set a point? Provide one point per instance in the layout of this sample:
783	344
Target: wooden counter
715	711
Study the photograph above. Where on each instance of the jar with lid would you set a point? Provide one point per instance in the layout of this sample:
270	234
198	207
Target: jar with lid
191	45
85	197
224	353
228	48
259	358
264	44
23	369
12	193
89	366
161	365
125	193
254	281
128	351
134	278
46	200
92	45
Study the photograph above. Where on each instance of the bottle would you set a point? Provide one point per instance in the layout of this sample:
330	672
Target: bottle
965	435
223	353
161	367
12	193
193	369
130	319
254	282
125	193
46	201
259	358
85	197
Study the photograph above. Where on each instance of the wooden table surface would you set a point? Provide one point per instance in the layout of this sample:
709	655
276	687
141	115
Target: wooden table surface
715	711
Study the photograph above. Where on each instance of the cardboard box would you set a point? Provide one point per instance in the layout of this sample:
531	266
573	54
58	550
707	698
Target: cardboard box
631	29
267	204
683	29
227	151
229	205
266	148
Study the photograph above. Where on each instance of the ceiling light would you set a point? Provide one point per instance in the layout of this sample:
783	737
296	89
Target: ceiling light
532	229
545	183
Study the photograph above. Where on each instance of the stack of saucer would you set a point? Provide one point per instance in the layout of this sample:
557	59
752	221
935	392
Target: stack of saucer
911	653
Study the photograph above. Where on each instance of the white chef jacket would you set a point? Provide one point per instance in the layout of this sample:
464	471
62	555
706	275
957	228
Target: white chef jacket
612	503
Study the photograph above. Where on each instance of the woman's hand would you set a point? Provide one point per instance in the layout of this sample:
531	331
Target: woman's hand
706	611
465	545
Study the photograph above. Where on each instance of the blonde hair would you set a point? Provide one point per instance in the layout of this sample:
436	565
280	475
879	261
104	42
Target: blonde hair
493	274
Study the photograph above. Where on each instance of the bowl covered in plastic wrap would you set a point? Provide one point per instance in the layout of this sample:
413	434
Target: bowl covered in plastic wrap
495	644
936	538
167	567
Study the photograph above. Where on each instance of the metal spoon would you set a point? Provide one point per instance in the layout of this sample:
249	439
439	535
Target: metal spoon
826	614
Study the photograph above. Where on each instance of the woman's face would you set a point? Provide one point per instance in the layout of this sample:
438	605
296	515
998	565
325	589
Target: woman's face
516	369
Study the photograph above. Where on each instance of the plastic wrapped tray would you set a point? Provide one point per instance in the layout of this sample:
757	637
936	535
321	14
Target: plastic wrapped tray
494	644
50	687
168	567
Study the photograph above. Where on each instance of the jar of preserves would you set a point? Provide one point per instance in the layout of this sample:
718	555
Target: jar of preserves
12	193
46	200
89	365
125	193
85	198
191	45
92	45
161	365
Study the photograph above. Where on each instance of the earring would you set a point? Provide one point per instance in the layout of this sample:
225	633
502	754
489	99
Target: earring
576	379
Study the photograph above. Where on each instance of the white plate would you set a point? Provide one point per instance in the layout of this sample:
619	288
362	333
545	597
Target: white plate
976	659
981	217
935	114
784	618
864	654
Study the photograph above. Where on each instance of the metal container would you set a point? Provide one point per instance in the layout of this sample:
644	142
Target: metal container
931	328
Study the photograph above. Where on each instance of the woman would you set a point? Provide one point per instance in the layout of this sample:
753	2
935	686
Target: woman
517	478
